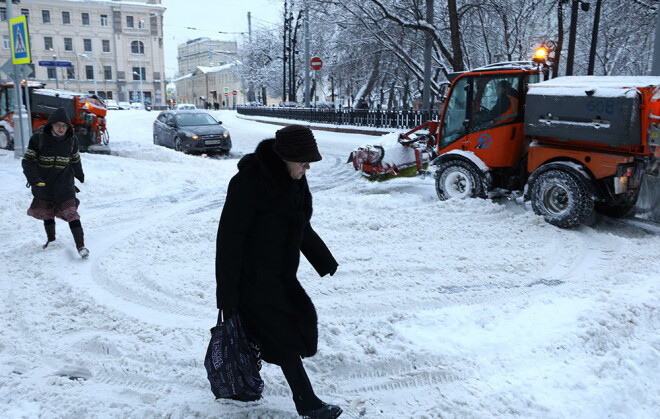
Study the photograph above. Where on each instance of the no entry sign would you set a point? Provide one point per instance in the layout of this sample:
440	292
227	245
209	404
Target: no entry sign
226	94
316	63
234	93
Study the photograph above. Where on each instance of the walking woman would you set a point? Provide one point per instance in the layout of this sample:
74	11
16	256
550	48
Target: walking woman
50	163
264	226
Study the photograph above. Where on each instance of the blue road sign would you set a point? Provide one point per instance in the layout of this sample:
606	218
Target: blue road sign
55	63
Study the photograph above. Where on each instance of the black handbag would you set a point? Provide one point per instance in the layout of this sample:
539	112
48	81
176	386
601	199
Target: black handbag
232	362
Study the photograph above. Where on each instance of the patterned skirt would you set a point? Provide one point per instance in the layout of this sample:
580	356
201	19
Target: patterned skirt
44	210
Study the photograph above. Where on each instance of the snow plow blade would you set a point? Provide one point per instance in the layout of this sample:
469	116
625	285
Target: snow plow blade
398	154
648	202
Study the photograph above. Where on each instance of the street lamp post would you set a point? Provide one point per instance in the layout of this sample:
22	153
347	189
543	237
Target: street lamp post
91	30
140	52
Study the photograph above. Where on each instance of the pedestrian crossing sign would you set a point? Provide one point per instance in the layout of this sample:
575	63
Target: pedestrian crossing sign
20	44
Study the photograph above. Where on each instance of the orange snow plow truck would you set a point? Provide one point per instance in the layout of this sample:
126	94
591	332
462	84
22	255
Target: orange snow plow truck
574	145
87	113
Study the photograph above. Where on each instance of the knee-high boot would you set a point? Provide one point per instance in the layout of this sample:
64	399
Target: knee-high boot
79	237
49	226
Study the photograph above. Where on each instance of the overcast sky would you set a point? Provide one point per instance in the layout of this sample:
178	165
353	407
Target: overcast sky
209	17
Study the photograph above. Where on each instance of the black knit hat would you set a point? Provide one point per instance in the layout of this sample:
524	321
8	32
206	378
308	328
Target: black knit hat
296	143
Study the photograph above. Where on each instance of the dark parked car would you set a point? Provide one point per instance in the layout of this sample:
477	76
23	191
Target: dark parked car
191	131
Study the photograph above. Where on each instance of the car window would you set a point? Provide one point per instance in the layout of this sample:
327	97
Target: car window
186	119
170	119
162	117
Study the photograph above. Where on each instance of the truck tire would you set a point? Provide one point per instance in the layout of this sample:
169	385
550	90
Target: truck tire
562	199
6	141
458	179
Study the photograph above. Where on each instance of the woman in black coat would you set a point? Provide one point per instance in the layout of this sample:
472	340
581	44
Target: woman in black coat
50	163
264	226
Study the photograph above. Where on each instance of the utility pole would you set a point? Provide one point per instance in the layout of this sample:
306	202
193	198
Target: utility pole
251	82
428	48
20	135
307	54
571	39
655	67
284	54
594	39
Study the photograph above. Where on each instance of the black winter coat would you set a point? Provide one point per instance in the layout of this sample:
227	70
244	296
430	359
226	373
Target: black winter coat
264	226
54	161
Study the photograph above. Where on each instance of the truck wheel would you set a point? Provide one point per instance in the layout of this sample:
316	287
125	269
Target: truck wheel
562	199
5	140
458	179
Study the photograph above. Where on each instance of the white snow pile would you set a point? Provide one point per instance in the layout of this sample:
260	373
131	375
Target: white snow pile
455	309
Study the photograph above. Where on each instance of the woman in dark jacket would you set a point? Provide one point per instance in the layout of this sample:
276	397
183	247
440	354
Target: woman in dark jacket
50	163
264	226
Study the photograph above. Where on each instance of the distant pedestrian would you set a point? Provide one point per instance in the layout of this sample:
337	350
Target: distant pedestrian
50	163
216	106
265	225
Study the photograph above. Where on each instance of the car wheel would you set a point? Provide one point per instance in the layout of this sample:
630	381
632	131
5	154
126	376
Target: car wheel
458	179
562	199
5	140
177	145
155	139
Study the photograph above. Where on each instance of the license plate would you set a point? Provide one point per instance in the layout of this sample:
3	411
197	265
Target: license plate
212	142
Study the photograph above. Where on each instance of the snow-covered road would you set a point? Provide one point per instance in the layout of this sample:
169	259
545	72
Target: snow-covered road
464	309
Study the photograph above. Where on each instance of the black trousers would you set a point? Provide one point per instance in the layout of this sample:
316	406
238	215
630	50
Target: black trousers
303	393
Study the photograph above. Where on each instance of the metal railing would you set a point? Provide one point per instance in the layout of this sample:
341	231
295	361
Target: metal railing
355	117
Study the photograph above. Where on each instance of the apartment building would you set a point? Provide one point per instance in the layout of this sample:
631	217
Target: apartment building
208	73
205	52
115	47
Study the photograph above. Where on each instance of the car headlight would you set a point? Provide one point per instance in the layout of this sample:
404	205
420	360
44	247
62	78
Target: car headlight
225	135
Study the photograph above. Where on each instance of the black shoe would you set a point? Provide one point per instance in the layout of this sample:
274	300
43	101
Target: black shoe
326	411
247	396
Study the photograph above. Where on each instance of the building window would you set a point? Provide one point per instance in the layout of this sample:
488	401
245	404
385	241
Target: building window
108	95
5	40
89	72
68	44
26	13
3	14
66	18
70	73
85	19
87	45
107	72
106	45
129	21
139	73
137	47
48	43
104	20
140	23
51	72
45	16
